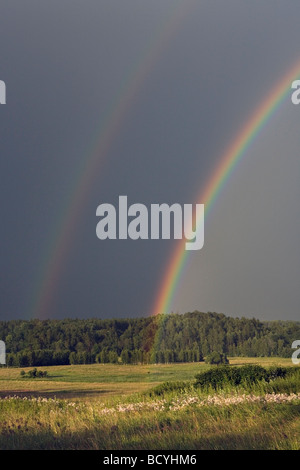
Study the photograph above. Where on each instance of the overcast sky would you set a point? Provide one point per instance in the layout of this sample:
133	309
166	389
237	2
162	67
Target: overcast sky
146	95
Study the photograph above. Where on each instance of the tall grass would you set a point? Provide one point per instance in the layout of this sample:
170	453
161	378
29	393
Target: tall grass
263	414
57	425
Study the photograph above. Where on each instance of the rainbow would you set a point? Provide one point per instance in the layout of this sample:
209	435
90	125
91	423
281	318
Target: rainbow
228	161
59	241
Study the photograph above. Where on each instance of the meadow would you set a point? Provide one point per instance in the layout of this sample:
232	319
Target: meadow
115	407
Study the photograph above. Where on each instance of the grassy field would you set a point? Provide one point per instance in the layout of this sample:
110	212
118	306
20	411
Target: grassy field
100	381
109	407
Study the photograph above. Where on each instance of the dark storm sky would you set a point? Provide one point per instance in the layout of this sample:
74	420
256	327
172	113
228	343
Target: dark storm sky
66	64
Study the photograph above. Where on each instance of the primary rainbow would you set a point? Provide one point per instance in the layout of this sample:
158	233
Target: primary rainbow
227	163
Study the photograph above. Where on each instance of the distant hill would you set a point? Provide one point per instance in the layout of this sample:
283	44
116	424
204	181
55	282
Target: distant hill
160	339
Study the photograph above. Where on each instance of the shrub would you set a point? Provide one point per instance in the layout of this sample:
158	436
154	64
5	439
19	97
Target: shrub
253	373
215	377
41	373
216	358
34	373
276	372
224	375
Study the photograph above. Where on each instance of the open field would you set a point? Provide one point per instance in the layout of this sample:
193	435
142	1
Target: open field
100	381
107	407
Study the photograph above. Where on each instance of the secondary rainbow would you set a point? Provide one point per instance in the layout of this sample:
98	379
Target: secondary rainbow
59	242
228	161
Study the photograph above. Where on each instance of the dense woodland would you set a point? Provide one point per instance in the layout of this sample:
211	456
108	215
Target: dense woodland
160	339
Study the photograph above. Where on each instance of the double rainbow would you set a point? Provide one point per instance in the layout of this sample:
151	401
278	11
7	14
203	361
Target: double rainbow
59	244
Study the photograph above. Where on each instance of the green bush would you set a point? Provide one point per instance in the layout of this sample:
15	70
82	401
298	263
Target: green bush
41	373
253	374
34	373
215	377
218	377
276	372
216	358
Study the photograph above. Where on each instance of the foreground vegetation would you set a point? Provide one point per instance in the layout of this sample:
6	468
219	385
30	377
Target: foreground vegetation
255	414
57	424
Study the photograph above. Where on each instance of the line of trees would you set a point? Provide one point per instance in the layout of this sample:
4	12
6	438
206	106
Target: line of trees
160	339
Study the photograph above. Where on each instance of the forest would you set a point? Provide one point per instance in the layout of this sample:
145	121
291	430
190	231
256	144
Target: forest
164	338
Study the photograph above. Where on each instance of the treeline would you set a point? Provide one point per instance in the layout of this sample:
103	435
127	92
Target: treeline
160	339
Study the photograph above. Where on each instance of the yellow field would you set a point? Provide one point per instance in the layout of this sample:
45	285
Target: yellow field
100	381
